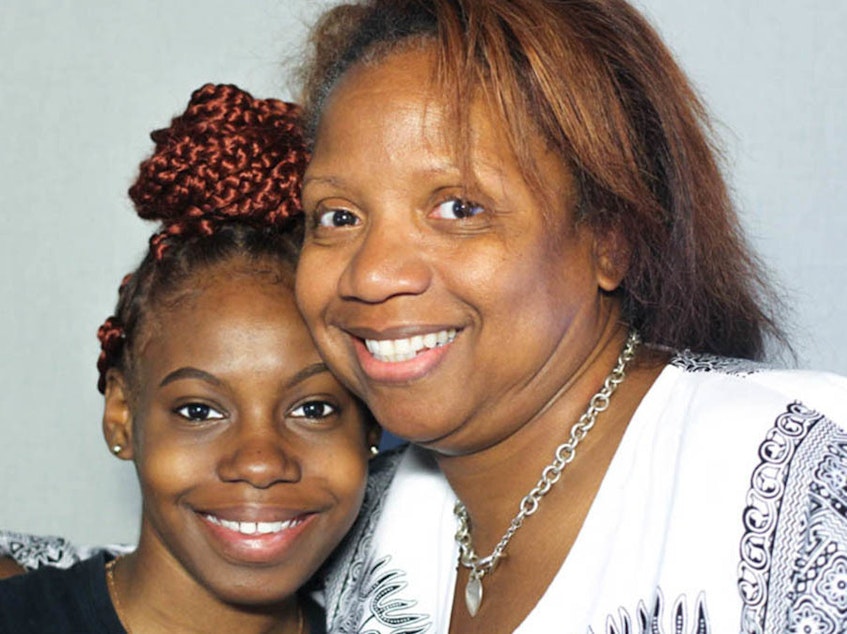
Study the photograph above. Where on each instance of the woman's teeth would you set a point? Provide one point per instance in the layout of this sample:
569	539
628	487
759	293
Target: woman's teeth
396	350
253	528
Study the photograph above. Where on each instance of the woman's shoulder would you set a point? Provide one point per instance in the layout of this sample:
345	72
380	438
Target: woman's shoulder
32	552
381	471
713	384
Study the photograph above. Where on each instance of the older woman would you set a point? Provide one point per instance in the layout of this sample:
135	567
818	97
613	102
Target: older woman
521	253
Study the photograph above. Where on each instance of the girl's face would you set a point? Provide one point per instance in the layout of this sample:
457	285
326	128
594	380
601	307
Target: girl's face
252	458
457	305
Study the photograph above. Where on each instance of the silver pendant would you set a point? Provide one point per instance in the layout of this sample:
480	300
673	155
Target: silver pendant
473	594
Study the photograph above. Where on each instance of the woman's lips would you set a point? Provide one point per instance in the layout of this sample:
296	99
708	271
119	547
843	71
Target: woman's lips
398	350
402	360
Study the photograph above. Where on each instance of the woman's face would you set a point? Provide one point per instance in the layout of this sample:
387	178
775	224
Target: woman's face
251	456
456	304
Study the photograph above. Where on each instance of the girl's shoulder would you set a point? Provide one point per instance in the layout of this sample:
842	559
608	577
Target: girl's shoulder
73	599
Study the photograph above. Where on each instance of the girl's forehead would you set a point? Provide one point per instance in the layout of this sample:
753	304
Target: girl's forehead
229	274
234	290
239	326
207	299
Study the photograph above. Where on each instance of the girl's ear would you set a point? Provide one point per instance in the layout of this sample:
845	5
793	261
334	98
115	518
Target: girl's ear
612	253
374	435
117	416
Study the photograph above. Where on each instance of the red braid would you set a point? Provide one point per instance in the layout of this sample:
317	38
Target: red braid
111	336
230	159
229	156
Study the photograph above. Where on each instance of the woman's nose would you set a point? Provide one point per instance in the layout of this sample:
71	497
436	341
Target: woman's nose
259	457
388	260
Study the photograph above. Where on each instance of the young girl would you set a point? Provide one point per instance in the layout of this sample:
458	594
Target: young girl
252	458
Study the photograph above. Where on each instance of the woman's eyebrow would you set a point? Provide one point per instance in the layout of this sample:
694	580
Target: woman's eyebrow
189	373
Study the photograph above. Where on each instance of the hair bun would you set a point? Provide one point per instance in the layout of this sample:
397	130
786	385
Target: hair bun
229	156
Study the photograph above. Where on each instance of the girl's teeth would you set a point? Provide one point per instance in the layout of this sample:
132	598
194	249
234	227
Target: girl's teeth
268	527
396	350
252	528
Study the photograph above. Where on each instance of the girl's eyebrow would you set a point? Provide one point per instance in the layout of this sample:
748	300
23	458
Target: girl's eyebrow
189	373
195	373
321	180
305	373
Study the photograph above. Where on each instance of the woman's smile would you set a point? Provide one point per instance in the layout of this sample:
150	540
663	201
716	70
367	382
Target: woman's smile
403	360
425	261
397	350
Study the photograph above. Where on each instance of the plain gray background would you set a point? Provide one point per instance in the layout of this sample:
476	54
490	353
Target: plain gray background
83	83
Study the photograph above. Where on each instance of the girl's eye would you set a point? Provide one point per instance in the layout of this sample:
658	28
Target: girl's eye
313	410
337	218
198	412
457	209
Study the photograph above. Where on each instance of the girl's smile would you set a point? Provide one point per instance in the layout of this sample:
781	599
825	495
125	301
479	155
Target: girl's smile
257	542
252	457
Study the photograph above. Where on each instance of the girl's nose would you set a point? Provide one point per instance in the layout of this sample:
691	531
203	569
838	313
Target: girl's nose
260	457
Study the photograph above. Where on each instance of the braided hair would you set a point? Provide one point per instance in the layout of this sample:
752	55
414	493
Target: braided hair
224	183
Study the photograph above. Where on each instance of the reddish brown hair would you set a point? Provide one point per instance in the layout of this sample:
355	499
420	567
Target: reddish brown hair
595	80
224	183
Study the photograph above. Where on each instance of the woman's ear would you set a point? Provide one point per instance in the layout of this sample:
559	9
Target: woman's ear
117	416
612	253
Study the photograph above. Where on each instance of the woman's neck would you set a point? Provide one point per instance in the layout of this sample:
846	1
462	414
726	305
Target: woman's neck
492	482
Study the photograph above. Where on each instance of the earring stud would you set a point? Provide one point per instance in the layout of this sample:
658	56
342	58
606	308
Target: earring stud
374	450
116	449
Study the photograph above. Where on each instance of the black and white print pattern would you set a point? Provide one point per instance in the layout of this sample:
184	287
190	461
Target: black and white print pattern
364	595
793	570
33	552
792	574
376	603
654	620
697	362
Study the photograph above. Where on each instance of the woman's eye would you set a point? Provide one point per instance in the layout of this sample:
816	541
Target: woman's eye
337	218
198	412
313	410
457	209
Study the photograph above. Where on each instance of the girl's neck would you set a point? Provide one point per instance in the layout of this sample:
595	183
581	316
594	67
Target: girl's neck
152	597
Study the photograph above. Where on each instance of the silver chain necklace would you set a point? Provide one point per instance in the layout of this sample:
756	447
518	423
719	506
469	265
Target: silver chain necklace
564	454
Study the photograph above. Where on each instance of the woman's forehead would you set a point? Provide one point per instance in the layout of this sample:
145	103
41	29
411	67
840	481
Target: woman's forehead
396	110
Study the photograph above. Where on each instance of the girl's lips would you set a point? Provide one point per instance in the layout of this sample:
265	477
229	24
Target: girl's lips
255	542
251	527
